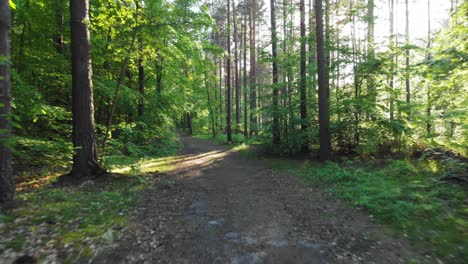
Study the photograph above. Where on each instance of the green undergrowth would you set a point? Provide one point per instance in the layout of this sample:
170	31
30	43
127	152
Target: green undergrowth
78	219
404	194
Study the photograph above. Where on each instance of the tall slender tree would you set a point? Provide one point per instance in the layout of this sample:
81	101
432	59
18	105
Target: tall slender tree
253	88
228	75
244	47
7	182
407	57
324	118
303	70
428	58
391	8
274	50
85	158
236	65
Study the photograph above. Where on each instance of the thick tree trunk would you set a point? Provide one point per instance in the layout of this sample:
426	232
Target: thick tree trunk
274	49
7	181
85	161
324	118
228	77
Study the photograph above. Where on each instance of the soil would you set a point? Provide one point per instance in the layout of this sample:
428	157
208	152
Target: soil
219	206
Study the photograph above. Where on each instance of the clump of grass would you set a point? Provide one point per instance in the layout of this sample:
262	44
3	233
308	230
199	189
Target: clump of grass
404	195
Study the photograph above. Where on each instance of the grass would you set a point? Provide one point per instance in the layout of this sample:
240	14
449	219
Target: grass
402	194
77	219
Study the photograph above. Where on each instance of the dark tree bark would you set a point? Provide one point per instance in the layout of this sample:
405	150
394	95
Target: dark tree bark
303	72
253	88
324	118
7	181
85	161
274	50
228	73
220	94
159	73
236	67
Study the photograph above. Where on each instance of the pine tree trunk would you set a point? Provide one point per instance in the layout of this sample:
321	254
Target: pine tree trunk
324	118
303	72
246	132
85	161
392	63
407	59
228	77
236	67
253	89
274	49
7	181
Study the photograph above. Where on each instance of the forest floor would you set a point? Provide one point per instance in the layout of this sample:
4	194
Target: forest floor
220	206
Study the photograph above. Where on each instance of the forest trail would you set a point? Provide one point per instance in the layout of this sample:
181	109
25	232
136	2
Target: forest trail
222	207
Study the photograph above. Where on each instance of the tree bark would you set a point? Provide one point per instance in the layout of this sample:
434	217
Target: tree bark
303	73
392	64
236	67
85	159
324	118
246	132
7	181
253	89
228	72
274	49
407	59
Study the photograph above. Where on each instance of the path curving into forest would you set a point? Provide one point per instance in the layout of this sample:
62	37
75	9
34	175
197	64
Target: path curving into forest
222	207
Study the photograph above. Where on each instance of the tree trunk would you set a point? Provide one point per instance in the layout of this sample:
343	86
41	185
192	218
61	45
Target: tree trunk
85	161
7	181
274	49
371	91
228	77
324	118
246	132
407	59
303	72
253	89
236	67
392	63
429	57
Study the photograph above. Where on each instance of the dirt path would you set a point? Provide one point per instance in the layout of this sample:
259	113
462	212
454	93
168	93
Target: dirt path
221	207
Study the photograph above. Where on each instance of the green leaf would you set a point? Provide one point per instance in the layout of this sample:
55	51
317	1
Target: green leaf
12	5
